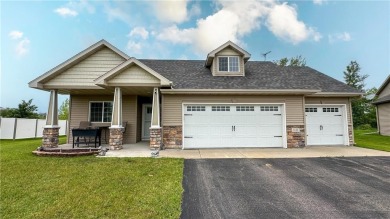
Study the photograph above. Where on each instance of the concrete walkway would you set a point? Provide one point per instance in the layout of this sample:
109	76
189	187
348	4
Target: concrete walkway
318	151
141	149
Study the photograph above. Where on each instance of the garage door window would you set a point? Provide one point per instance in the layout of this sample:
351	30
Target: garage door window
269	108
245	108
220	108
311	110
330	110
196	108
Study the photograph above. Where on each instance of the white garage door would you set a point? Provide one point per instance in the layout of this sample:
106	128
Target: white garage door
326	125
222	126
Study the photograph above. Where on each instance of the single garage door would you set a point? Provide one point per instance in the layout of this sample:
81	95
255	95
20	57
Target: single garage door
326	125
223	126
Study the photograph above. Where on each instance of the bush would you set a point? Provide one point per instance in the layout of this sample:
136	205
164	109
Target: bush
365	127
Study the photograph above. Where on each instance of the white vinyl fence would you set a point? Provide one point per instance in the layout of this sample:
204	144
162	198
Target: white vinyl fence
15	128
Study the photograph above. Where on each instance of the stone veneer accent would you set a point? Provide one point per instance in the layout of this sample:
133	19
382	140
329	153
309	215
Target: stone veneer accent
172	136
155	138
350	135
116	138
295	139
50	137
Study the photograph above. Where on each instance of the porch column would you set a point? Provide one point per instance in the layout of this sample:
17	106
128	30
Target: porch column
116	129
155	129
51	129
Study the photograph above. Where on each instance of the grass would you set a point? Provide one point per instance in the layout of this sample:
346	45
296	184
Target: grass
86	187
370	139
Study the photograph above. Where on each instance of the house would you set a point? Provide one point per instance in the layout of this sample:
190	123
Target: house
222	101
383	107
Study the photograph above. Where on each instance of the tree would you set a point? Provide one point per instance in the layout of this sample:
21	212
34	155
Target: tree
24	110
363	112
353	77
293	61
64	110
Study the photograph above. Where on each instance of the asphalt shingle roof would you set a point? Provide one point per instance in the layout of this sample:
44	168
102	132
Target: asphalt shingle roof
385	99
191	74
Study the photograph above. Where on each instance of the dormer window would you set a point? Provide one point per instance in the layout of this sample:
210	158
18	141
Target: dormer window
229	64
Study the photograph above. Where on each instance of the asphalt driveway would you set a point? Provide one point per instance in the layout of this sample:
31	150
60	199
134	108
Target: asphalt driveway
287	188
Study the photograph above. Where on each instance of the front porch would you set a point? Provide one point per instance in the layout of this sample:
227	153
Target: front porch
139	149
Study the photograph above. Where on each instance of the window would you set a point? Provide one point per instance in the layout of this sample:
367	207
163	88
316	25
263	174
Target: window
269	108
220	108
245	108
229	63
196	108
311	110
330	110
100	111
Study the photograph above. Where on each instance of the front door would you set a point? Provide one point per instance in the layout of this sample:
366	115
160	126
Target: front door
146	120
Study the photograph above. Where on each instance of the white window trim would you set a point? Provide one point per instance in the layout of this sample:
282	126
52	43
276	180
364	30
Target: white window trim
89	110
228	64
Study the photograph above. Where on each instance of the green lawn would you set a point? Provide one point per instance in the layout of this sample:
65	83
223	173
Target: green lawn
86	187
370	139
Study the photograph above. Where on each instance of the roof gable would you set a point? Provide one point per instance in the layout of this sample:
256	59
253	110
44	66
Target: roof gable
229	43
132	72
78	58
384	89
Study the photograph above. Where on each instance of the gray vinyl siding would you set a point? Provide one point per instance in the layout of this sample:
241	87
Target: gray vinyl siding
172	105
87	70
384	118
385	91
332	100
79	111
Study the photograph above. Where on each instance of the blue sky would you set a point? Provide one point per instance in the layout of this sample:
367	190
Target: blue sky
38	35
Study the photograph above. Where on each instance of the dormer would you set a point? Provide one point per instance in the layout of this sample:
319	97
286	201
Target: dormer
227	60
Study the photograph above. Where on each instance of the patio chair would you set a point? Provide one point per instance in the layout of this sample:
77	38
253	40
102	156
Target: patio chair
124	124
84	125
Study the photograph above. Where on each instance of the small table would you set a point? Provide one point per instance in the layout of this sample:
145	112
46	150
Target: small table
103	128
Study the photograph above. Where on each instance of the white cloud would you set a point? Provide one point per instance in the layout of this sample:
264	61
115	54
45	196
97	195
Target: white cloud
15	34
345	36
139	31
22	47
283	22
65	12
117	14
236	19
171	10
82	5
319	2
133	47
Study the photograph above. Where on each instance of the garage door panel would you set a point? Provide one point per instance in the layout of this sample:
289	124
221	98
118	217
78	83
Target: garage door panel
325	125
233	126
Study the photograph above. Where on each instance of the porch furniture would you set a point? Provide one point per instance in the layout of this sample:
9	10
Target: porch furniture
94	136
84	125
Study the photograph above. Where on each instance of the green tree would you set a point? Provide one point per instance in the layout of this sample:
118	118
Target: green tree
64	110
353	77
363	112
24	110
293	61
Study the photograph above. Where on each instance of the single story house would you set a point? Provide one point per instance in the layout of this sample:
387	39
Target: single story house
383	107
220	102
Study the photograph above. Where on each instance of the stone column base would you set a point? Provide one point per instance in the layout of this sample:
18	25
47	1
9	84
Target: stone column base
116	138
295	136
50	137
155	138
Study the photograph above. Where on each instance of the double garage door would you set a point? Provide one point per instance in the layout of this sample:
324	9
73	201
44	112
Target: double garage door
223	126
